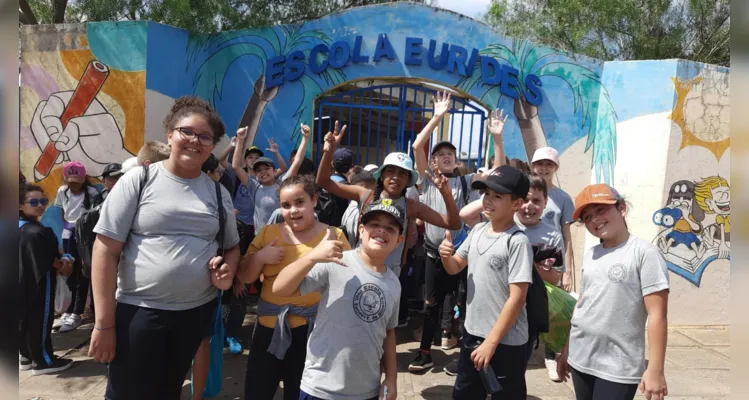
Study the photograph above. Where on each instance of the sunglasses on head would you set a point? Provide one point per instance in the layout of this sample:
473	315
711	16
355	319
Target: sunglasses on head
37	202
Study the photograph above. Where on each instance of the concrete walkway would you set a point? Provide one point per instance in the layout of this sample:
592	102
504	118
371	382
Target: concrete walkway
697	367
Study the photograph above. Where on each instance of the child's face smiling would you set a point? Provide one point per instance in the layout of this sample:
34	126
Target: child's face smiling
297	207
531	211
604	221
28	209
499	206
545	168
380	235
264	174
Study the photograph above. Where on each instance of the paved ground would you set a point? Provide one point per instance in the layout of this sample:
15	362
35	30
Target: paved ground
697	367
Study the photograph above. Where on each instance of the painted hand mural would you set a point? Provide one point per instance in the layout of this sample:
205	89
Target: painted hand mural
688	246
590	98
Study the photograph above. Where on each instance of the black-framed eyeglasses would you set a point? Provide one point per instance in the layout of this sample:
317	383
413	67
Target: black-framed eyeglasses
188	134
37	202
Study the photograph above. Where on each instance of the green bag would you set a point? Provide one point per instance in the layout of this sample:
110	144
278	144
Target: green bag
561	305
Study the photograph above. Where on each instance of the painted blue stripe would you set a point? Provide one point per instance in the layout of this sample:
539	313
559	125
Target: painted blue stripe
47	297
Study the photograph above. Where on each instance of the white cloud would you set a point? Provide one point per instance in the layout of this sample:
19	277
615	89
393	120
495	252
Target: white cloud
472	8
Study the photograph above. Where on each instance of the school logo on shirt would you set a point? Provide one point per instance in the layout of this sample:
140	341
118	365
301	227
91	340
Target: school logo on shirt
495	263
369	302
617	273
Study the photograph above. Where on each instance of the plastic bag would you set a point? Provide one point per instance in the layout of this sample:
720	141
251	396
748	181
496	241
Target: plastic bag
63	295
215	379
561	305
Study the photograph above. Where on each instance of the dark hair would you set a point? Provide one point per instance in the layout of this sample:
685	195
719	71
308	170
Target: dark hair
22	179
251	150
363	178
538	183
381	187
84	189
23	190
308	167
356	169
188	105
210	165
308	184
520	164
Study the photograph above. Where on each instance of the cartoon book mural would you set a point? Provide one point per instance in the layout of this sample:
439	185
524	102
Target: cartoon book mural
688	245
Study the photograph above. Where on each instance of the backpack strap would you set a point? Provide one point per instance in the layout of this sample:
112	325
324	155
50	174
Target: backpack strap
464	184
143	182
221	218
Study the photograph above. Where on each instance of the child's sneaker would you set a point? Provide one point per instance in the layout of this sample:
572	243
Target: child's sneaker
59	322
58	365
72	323
421	362
551	370
402	323
451	369
448	340
24	364
235	347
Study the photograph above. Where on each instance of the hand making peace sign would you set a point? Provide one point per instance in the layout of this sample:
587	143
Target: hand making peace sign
333	138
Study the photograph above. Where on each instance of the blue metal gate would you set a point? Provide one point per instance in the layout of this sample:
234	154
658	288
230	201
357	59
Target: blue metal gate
386	118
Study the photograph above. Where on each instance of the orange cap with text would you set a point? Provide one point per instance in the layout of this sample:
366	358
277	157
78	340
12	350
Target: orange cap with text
599	193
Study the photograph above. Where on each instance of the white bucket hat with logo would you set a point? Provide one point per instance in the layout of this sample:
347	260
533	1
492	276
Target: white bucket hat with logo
400	160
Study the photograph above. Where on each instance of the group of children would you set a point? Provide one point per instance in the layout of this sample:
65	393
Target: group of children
332	295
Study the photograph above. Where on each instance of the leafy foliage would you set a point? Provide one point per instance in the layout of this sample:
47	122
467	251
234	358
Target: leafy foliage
696	30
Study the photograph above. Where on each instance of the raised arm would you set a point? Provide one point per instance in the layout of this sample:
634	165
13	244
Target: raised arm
296	163
224	156
441	106
237	160
282	166
451	220
471	213
350	192
496	124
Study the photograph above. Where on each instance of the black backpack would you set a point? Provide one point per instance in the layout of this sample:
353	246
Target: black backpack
84	227
330	208
536	303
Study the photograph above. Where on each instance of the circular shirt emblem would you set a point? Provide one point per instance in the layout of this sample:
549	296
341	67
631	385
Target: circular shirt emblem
617	273
495	263
369	302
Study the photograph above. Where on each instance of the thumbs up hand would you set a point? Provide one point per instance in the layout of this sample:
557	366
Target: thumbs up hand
447	248
329	250
271	254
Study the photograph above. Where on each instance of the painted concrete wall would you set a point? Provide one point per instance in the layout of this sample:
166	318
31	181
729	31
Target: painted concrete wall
640	126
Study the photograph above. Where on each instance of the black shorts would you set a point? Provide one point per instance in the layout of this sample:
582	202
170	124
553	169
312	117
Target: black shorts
508	364
155	349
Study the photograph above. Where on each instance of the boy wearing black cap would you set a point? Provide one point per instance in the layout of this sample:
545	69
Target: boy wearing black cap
439	286
110	176
500	261
358	312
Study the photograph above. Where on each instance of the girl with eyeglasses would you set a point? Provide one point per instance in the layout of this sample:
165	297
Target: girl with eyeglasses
39	258
155	273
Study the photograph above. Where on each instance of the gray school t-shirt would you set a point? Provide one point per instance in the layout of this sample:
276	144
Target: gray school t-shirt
169	237
357	307
544	233
492	267
607	338
432	197
558	212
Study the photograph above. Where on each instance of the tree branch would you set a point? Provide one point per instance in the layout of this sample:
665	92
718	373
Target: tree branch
27	13
58	11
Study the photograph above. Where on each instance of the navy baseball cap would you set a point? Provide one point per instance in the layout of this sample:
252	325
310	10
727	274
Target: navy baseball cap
343	159
444	143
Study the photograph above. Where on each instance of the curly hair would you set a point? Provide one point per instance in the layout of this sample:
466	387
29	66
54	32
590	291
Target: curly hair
307	182
188	105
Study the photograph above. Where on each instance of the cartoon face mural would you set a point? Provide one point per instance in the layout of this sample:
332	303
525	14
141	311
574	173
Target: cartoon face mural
686	245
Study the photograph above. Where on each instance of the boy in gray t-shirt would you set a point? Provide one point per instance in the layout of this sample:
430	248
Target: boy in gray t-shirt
354	332
500	271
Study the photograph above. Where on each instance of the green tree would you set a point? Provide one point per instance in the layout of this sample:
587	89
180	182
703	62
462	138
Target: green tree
205	16
696	30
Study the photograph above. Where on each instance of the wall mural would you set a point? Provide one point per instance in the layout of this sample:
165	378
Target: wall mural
80	106
696	217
